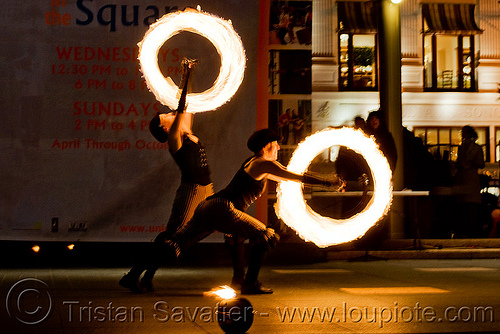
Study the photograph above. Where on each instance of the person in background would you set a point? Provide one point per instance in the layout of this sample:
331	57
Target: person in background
284	121
298	127
384	139
283	24
360	123
470	159
351	165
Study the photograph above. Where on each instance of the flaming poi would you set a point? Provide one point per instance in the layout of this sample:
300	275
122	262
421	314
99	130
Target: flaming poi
325	231
225	40
223	292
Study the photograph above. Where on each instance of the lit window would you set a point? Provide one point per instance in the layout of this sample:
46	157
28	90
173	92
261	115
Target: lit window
443	69
450	47
443	142
358	62
357	45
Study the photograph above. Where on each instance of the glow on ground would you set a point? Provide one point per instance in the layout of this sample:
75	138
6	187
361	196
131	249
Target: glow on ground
456	269
394	290
311	271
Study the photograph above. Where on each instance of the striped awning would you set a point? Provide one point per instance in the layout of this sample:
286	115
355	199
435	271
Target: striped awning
450	18
357	16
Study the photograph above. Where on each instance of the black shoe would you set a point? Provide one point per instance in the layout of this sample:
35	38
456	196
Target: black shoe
147	284
130	283
255	289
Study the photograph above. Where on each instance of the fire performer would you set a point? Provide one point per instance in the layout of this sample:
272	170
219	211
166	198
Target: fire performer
225	210
189	154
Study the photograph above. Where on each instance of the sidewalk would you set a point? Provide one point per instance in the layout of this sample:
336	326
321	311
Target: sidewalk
116	254
335	297
423	249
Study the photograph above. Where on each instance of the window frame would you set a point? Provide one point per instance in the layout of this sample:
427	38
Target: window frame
485	147
350	63
460	63
497	144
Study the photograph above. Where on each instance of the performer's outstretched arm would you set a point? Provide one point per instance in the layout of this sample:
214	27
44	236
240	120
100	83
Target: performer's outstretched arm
275	171
181	118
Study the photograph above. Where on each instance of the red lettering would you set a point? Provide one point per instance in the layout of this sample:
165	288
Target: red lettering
116	53
175	53
157	107
88	53
77	53
132	110
163	55
145	108
63	53
99	108
77	108
118	108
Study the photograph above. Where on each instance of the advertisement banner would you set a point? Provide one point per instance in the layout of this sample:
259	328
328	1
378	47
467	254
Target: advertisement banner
78	161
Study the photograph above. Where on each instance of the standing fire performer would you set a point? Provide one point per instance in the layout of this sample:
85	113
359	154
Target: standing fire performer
225	210
175	128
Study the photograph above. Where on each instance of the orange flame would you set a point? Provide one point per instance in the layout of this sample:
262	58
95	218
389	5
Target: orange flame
224	292
223	37
325	231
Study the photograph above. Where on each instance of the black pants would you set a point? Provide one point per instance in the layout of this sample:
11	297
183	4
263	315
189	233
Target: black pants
187	198
213	214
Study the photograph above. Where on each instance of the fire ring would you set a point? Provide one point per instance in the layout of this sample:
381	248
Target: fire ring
219	32
325	231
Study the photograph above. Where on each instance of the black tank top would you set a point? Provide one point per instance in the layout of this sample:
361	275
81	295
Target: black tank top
192	161
243	189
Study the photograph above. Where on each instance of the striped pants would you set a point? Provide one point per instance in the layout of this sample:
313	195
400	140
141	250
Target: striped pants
187	198
219	214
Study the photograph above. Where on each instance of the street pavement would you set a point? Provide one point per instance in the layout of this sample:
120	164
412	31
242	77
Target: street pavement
334	296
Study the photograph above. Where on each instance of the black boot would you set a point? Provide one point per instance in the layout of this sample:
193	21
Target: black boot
236	248
251	286
255	288
131	282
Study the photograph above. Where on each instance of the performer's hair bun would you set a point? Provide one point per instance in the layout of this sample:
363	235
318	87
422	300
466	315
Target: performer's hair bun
156	129
261	138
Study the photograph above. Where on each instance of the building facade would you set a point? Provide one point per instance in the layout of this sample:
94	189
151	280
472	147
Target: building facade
450	68
324	69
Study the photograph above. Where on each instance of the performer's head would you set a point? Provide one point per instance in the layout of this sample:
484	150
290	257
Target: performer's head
160	124
264	143
375	121
359	123
469	133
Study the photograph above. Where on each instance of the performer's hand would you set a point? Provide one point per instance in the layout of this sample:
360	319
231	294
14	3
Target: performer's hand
189	63
338	184
363	180
341	183
185	71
